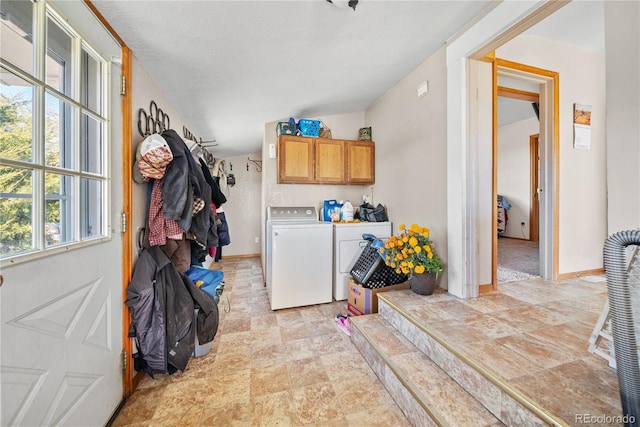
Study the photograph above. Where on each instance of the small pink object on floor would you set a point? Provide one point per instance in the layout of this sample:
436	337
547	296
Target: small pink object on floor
344	324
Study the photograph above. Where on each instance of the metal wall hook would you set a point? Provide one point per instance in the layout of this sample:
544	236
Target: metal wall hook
257	163
156	121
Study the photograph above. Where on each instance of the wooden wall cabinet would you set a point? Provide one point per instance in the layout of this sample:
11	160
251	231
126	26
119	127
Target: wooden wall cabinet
295	160
306	160
330	158
360	162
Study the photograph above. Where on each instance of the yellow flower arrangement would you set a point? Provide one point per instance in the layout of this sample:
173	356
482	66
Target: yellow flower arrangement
411	252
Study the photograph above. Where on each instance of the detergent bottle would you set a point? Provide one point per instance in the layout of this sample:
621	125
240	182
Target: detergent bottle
347	211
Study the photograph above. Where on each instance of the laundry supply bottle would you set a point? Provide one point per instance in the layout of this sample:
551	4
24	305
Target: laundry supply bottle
347	211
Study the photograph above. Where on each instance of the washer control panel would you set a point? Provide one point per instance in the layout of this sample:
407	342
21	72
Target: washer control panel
292	213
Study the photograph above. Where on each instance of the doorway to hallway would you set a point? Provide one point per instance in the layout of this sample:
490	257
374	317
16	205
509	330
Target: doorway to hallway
528	247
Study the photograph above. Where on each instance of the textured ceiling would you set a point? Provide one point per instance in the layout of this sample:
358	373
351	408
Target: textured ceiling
231	66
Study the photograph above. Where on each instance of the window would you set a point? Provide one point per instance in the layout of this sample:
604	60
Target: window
53	134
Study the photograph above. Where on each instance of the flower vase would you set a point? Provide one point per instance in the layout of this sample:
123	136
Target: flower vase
423	284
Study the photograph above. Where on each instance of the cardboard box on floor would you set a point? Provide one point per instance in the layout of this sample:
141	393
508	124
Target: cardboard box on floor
361	300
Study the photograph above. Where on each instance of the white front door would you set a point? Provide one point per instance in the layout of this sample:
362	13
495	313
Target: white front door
61	308
62	338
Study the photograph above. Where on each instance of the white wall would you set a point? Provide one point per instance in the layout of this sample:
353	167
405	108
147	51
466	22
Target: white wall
410	135
622	37
143	91
514	180
242	208
582	178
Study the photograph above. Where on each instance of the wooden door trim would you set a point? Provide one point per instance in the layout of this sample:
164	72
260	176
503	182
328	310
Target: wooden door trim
534	226
127	198
522	95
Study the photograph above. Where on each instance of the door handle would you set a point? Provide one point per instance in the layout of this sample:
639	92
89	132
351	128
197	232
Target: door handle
539	190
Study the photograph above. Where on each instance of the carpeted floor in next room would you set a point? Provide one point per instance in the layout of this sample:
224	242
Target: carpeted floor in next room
517	260
290	367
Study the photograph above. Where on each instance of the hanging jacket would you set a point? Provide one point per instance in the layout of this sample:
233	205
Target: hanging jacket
162	313
223	229
162	302
184	184
219	168
216	194
208	316
177	194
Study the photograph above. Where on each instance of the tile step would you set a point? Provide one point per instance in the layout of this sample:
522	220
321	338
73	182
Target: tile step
424	392
497	395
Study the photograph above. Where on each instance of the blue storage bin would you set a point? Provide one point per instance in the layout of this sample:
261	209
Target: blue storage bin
309	127
211	280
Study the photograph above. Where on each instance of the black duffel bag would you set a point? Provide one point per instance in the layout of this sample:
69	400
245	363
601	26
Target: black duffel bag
367	212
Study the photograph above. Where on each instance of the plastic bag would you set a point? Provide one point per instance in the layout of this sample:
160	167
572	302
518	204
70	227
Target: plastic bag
366	212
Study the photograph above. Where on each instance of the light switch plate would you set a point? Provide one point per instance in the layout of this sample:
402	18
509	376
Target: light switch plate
423	88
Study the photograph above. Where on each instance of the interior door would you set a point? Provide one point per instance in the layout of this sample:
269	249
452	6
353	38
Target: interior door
61	324
534	215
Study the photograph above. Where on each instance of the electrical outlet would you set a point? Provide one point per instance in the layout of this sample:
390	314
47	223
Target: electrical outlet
257	239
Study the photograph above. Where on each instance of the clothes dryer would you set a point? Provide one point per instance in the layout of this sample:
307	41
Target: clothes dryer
347	245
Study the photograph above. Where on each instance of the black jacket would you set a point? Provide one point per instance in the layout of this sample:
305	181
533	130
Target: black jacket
162	302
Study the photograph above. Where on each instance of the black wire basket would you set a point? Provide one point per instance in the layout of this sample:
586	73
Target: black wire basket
371	271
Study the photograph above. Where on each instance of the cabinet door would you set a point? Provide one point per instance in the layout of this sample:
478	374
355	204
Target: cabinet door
360	162
330	161
295	159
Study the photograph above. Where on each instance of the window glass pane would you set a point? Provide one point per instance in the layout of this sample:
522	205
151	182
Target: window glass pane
58	132
58	64
91	82
91	139
91	224
58	208
16	211
16	110
16	33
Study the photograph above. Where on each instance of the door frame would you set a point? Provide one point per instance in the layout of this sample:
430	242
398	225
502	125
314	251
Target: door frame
534	155
549	163
127	199
534	206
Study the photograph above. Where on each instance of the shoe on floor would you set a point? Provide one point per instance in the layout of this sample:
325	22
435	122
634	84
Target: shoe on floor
344	323
341	316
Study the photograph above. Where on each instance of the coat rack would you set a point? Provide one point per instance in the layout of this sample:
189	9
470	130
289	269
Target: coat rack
156	121
257	163
187	134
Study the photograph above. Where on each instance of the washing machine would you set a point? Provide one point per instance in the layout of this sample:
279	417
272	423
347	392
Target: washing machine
299	257
347	245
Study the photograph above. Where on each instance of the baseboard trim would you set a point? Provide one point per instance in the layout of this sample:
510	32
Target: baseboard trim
516	238
485	288
240	256
577	274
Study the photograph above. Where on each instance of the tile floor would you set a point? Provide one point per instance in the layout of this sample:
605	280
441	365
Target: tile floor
291	367
294	367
